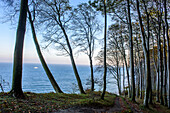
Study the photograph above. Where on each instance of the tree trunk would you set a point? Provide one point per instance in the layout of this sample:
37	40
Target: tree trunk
16	90
141	80
120	80
140	73
146	54
47	70
160	57
158	76
168	53
149	82
155	65
105	66
124	80
165	68
157	91
131	54
73	62
127	72
118	73
92	76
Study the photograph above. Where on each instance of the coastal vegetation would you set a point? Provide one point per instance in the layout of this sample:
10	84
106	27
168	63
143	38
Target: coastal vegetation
135	39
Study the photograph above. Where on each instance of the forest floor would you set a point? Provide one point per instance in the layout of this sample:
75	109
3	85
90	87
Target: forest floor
75	103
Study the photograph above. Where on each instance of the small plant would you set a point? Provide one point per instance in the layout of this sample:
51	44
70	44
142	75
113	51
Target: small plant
3	83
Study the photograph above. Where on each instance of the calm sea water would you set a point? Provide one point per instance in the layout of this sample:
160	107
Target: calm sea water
36	80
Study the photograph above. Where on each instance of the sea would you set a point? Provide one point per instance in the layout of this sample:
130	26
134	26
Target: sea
34	78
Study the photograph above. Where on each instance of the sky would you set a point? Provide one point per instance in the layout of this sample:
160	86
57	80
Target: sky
7	43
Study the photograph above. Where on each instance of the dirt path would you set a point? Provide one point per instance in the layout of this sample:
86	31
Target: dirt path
116	108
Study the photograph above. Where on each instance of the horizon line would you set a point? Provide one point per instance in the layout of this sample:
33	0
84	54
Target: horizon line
47	63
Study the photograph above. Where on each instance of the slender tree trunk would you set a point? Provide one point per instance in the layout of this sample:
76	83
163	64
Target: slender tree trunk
160	58
16	90
165	68
120	80
149	82
158	76
76	74
73	62
105	66
137	76
131	54
127	73
92	76
155	65
129	91
140	73
146	54
157	84
91	50
47	70
124	80
168	53
146	98
141	80
118	73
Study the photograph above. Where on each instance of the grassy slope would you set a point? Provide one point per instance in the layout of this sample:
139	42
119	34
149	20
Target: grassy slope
52	102
48	102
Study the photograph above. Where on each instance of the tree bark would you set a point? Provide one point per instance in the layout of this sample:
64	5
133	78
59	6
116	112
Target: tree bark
16	90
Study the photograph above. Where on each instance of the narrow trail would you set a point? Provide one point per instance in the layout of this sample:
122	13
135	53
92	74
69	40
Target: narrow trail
115	109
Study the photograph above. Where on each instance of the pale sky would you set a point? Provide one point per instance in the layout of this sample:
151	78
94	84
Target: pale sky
7	42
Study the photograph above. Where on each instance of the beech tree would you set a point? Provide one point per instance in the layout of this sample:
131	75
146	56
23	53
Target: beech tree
114	56
16	90
105	66
168	50
13	5
85	26
165	66
102	5
44	64
131	53
54	15
145	44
